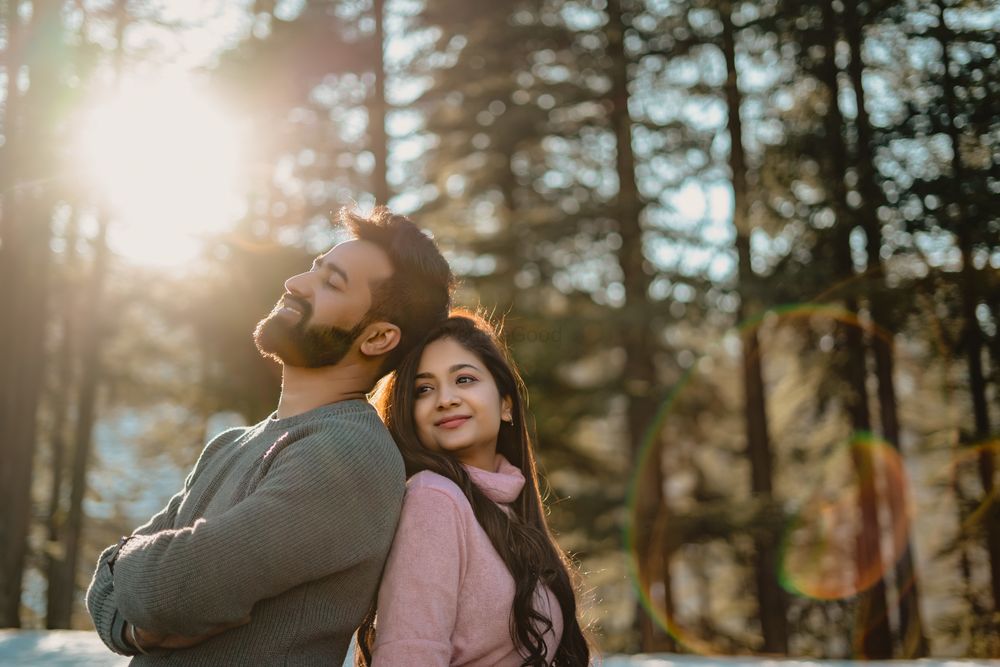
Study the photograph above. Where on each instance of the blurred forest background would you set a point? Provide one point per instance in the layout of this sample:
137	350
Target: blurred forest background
748	254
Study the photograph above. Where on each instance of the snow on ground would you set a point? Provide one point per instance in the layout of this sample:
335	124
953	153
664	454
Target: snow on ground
58	648
76	648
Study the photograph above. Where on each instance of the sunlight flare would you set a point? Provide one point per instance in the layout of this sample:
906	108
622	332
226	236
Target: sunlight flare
165	159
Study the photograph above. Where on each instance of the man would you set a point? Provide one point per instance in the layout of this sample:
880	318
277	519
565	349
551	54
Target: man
272	552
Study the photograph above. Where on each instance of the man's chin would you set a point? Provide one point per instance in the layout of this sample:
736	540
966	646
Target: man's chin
284	355
278	341
284	351
273	342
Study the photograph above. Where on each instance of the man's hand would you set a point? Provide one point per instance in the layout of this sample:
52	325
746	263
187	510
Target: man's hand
150	640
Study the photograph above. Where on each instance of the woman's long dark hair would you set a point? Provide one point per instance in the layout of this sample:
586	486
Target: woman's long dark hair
522	538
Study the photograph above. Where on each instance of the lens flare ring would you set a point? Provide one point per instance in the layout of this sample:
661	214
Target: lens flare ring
820	516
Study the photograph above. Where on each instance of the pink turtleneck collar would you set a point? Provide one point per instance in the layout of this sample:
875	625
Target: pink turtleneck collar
501	486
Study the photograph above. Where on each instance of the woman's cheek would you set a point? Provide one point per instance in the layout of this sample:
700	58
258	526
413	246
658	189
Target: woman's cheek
423	434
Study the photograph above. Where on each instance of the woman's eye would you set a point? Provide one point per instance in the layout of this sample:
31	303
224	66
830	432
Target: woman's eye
422	389
465	379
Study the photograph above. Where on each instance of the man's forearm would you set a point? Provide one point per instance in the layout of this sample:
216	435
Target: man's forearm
149	641
103	606
102	599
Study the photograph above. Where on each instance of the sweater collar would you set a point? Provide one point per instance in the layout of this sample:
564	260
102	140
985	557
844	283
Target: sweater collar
502	486
349	406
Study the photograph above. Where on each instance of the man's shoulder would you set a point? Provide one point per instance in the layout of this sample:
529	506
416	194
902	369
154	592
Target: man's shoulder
223	440
359	426
352	441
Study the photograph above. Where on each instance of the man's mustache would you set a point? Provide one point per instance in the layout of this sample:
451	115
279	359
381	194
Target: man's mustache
299	304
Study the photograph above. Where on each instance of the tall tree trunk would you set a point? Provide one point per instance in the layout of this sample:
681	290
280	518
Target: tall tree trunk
973	336
652	550
12	60
504	291
10	529
772	602
911	630
668	642
378	109
86	414
59	597
873	636
633	329
993	344
25	258
90	371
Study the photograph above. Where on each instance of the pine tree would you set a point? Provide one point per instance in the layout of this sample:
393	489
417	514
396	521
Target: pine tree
31	125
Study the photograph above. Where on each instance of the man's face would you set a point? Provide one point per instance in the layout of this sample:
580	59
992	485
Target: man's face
325	309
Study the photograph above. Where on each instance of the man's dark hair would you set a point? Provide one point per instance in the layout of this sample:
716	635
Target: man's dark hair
417	296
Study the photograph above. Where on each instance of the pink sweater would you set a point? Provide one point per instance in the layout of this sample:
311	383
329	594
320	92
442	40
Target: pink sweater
446	595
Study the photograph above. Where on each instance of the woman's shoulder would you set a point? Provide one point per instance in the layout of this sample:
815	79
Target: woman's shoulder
429	485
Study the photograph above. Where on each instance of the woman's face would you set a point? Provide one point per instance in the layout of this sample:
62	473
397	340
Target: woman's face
458	407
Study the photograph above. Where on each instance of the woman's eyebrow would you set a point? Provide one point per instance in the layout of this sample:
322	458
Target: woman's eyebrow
456	367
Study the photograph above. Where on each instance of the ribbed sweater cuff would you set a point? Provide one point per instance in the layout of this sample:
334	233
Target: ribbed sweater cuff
117	630
111	623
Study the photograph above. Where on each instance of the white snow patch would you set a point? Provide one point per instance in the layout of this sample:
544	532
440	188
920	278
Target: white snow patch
58	648
78	648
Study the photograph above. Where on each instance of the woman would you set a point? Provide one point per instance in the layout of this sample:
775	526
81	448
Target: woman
474	576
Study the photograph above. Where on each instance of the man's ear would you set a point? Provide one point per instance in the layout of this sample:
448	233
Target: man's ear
380	338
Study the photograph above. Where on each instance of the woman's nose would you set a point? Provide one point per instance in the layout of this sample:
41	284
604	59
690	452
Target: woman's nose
447	397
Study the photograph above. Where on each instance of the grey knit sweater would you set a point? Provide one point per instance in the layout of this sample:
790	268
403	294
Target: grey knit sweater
288	521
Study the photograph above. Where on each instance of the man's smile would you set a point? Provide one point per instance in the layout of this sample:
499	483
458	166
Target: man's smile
294	305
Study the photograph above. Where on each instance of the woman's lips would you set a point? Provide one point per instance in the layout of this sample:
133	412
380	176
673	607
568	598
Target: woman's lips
452	422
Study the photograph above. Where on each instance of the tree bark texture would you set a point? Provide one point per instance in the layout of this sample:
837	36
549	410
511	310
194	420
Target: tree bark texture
25	271
772	601
873	636
633	329
911	631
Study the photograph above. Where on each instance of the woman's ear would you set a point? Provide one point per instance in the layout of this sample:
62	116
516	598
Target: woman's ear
506	413
380	338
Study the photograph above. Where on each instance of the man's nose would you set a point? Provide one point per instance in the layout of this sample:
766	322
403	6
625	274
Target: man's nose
299	284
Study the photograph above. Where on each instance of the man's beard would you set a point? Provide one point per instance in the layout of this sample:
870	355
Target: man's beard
302	344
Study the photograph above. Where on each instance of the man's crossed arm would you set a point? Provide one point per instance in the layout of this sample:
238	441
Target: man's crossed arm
317	511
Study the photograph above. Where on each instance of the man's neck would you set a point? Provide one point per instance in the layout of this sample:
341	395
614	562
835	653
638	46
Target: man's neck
304	389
